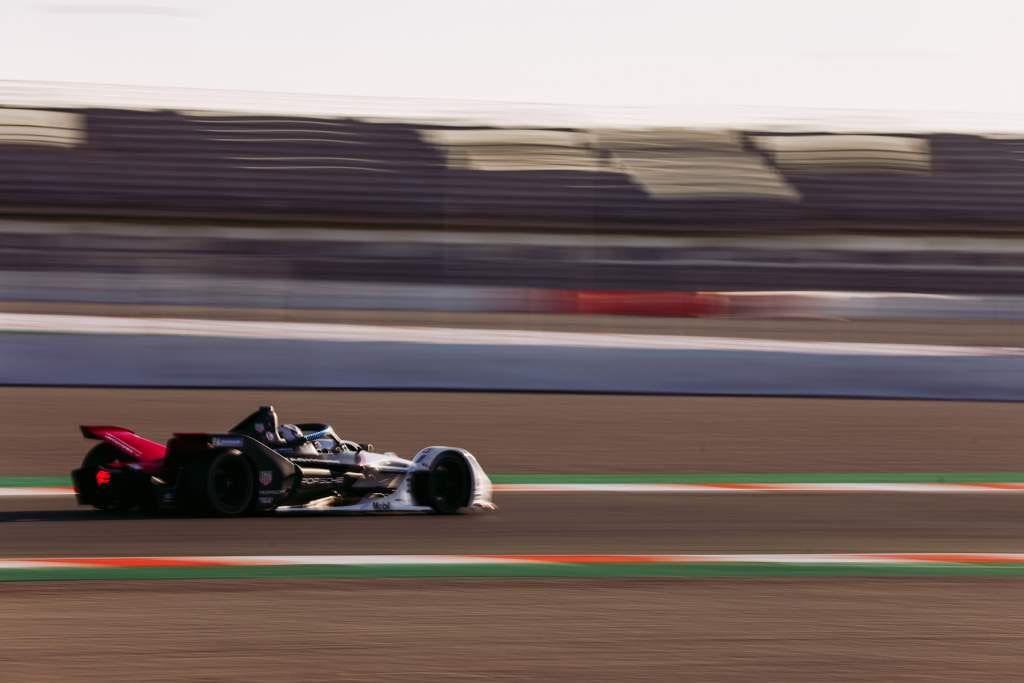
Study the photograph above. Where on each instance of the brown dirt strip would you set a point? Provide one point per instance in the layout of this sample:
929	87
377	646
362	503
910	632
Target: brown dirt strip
518	433
957	332
803	630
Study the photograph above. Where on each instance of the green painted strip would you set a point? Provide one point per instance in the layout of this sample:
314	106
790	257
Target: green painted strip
35	481
699	478
612	570
764	478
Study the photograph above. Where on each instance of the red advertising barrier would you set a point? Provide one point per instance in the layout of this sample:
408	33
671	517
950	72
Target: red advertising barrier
662	304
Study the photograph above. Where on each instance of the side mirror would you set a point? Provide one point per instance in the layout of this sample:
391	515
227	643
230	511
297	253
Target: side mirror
366	446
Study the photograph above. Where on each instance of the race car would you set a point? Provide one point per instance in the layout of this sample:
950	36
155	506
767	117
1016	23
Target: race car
262	466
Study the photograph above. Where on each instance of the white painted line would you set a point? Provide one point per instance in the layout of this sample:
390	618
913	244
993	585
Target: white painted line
737	488
377	560
733	488
853	558
40	564
808	559
32	491
247	329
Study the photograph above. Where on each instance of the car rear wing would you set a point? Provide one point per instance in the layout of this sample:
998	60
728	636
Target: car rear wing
149	453
98	431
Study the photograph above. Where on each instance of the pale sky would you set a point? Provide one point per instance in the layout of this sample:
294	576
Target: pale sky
937	58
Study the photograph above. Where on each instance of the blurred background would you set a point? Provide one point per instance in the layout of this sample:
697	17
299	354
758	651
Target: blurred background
684	159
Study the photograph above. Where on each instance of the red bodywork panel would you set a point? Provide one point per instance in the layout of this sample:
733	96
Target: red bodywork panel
149	454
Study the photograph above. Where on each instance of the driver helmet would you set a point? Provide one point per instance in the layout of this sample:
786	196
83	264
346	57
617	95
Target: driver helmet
290	433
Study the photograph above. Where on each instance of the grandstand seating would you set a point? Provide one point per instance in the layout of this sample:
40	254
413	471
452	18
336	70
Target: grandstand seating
218	166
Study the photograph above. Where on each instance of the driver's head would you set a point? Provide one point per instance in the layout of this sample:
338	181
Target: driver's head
290	433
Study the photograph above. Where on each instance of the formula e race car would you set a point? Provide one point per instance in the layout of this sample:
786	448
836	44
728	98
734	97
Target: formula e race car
261	466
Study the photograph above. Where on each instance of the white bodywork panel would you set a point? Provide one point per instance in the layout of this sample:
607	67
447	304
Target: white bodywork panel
401	500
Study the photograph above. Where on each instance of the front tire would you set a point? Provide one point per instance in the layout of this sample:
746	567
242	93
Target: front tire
222	485
446	486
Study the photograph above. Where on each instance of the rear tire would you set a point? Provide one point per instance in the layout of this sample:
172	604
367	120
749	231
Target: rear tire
446	486
101	455
222	485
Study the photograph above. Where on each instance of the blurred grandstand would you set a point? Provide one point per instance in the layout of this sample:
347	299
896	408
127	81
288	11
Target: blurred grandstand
461	200
219	166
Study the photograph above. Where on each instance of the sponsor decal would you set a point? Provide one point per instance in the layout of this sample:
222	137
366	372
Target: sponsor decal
228	441
266	476
122	444
382	505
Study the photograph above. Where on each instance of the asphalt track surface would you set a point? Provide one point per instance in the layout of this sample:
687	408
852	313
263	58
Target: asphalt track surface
551	433
707	629
547	524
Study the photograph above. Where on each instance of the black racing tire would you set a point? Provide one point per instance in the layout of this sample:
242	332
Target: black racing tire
98	456
223	485
446	486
